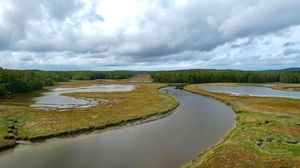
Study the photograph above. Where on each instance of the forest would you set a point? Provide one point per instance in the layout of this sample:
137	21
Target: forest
211	76
23	81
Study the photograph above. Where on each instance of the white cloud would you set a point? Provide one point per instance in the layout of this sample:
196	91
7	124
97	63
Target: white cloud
149	34
261	16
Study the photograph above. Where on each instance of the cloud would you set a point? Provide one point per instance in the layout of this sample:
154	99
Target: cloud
156	34
290	51
289	44
59	9
259	17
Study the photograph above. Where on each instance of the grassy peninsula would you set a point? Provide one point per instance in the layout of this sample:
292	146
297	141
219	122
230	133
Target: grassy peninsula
19	121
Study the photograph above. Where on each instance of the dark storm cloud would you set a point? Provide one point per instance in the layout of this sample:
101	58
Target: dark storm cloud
112	33
291	51
287	44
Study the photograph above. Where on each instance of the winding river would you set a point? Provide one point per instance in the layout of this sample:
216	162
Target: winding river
197	124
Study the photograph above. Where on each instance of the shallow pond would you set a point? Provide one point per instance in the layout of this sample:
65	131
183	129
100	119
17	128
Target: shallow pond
55	99
252	91
197	124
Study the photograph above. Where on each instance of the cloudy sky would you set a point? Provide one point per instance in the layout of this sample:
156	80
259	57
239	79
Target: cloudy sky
149	34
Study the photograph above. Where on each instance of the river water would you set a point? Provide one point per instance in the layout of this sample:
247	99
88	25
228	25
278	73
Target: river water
197	124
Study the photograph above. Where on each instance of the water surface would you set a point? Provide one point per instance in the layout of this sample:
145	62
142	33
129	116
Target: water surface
252	91
171	142
55	99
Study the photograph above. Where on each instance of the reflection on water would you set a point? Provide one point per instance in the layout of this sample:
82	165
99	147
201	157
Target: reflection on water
197	124
55	99
252	91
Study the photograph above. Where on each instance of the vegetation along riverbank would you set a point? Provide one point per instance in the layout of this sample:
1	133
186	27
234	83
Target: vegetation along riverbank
267	134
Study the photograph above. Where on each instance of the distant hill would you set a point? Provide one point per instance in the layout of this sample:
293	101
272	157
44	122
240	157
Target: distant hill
295	69
292	69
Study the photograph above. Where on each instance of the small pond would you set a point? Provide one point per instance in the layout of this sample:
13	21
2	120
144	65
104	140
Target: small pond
55	100
252	91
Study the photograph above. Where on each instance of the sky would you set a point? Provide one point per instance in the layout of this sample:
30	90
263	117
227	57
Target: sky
149	34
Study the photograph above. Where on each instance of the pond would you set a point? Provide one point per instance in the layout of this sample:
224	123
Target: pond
252	91
55	100
197	124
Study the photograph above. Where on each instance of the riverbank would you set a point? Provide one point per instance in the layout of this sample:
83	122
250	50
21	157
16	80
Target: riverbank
287	87
267	133
168	142
121	108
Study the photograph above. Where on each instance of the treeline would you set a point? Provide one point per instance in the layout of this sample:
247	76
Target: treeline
23	81
92	75
211	76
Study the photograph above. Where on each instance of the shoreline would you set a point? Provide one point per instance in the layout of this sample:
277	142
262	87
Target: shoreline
124	123
224	139
8	145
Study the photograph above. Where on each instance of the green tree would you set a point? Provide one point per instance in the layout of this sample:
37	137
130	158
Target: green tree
3	90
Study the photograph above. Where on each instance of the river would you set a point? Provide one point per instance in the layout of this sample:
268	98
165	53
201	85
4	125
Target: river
197	124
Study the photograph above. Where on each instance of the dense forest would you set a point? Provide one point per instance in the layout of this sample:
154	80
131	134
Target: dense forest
22	81
210	76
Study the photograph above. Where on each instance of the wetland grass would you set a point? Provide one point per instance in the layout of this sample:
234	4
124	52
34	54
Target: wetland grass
267	134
